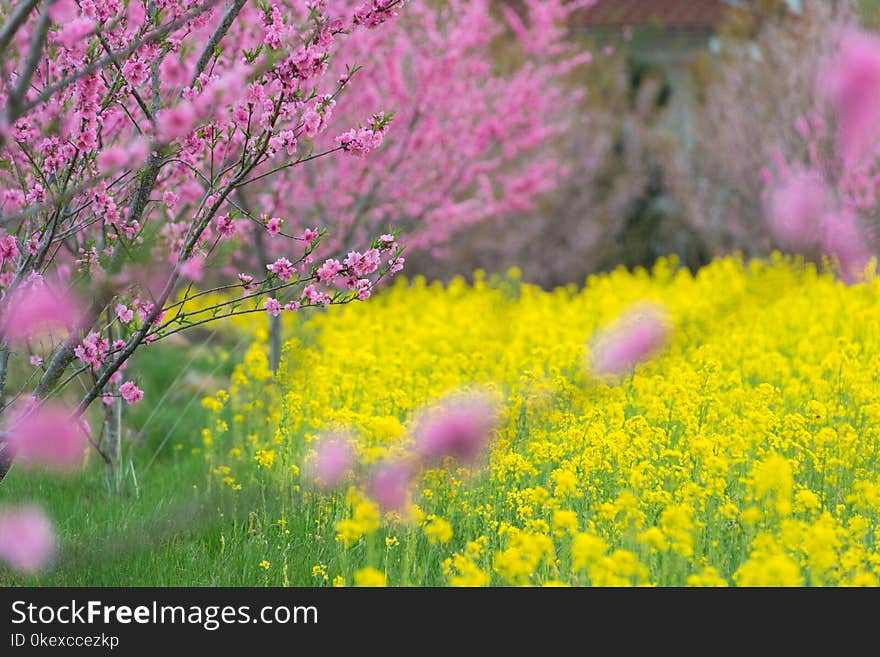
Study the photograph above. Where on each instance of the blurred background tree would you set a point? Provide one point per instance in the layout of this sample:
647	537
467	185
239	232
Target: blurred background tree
688	100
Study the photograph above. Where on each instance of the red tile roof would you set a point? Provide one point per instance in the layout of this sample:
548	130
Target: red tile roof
690	15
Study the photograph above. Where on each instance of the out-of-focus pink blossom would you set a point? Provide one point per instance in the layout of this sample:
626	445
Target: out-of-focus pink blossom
193	268
640	333
112	158
75	31
39	308
796	207
461	428
176	122
389	485
27	539
844	240
333	461
63	11
47	436
851	82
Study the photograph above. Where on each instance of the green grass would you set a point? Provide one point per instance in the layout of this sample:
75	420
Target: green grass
160	527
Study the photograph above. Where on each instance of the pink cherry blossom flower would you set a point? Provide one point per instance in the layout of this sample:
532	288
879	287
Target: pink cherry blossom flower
460	427
274	226
273	307
27	538
35	360
247	282
396	265
639	334
124	313
130	392
46	436
363	288
93	349
389	485
328	270
282	268
225	225
333	461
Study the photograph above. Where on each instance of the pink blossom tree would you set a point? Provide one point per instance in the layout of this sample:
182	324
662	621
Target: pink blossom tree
148	148
127	129
479	100
827	201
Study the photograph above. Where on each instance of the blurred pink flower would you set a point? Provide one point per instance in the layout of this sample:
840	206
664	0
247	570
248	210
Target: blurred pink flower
389	485
111	159
46	436
460	428
844	240
333	461
851	82
63	11
39	308
796	207
639	334
27	540
176	122
192	269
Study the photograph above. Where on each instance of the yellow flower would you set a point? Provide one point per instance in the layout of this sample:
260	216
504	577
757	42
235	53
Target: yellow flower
708	578
212	404
586	549
265	564
772	570
749	449
462	571
565	522
319	571
369	577
437	530
265	457
364	520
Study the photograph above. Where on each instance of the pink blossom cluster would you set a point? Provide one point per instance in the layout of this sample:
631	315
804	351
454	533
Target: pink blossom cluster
459	429
93	350
357	273
362	141
375	12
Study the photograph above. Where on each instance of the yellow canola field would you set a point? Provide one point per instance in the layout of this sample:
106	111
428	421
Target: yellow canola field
746	453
